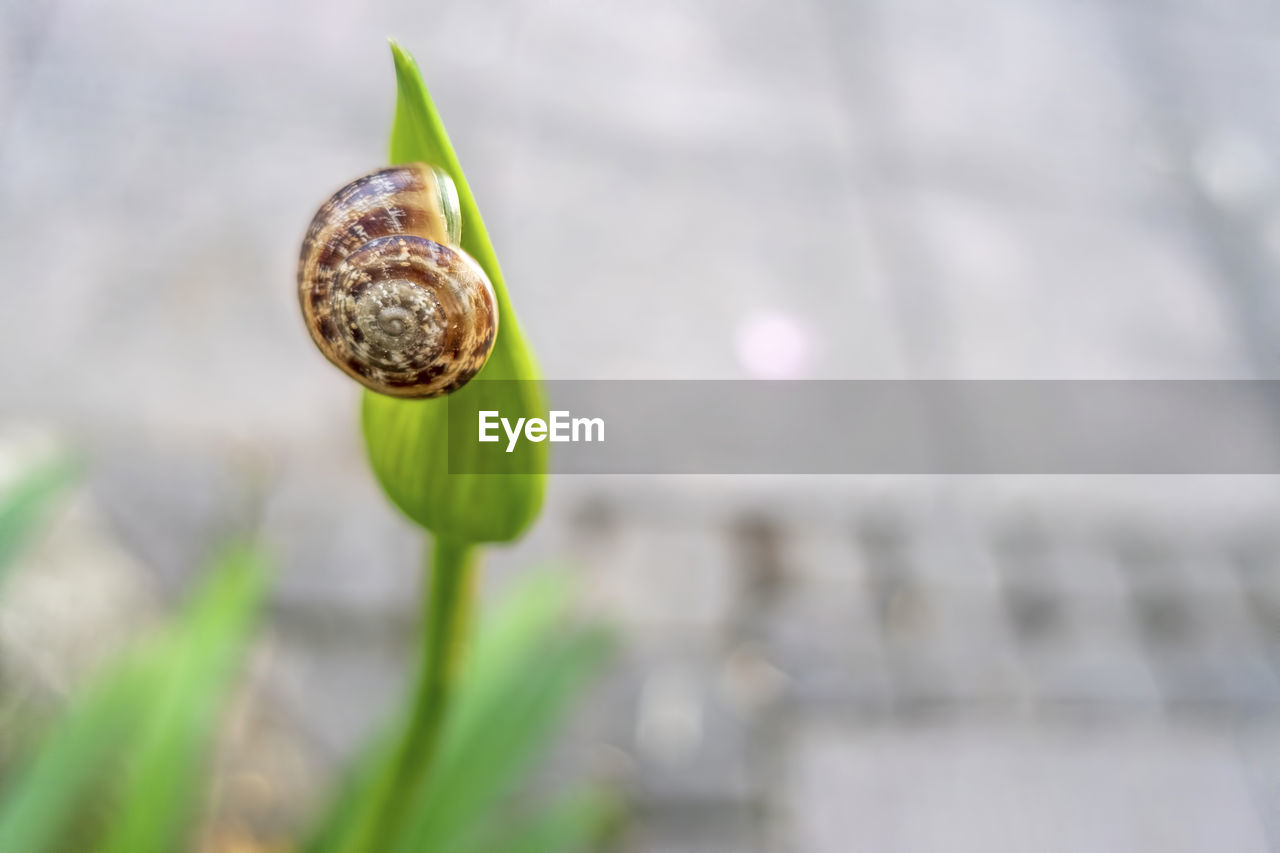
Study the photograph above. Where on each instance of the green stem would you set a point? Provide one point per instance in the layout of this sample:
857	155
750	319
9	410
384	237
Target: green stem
450	595
449	604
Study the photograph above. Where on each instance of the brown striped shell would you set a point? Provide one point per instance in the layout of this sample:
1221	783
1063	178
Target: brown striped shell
387	294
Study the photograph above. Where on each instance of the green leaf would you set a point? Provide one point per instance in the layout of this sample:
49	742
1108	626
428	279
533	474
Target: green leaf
498	727
407	440
25	505
572	824
43	797
163	771
357	799
138	732
528	662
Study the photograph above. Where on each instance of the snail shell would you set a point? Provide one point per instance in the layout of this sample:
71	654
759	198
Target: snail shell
386	293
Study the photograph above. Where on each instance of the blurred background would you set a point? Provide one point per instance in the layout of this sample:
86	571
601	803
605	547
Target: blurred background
711	189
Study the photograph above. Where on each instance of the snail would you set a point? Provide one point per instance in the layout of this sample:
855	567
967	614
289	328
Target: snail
387	294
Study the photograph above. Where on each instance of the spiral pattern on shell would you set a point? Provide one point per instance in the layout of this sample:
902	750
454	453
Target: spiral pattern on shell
386	293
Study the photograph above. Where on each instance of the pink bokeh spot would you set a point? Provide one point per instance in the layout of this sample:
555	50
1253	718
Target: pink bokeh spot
773	345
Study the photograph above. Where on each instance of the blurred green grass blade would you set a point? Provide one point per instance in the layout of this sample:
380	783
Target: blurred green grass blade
527	619
526	614
41	799
141	727
24	505
530	617
408	439
575	823
493	738
523	619
163	771
356	801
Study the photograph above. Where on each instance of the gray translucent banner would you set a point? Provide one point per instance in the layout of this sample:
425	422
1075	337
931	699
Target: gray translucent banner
876	427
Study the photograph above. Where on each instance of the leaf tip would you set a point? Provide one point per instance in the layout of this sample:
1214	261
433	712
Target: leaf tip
403	59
